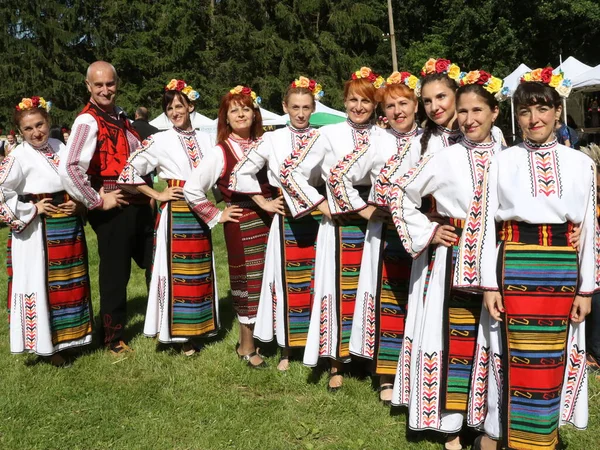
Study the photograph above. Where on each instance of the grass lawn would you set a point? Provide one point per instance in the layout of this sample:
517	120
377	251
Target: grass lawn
159	399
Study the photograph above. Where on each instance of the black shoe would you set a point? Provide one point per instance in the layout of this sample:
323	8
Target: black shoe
248	358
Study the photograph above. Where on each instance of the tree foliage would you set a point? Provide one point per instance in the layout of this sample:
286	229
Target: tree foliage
215	45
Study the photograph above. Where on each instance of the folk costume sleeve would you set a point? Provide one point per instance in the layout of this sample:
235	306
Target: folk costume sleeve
73	169
396	166
353	167
15	213
243	177
414	228
589	254
299	194
141	162
203	178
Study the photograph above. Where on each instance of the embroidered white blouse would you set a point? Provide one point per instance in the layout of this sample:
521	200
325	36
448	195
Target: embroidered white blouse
283	150
28	170
450	176
537	184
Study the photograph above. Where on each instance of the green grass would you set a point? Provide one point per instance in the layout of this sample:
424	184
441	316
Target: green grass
163	400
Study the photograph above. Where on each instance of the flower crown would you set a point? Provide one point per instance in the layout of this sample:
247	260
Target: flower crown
489	82
407	79
441	65
366	72
184	88
245	90
545	76
33	102
311	85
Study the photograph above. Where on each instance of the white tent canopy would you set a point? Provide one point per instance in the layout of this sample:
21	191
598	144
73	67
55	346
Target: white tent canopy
271	119
572	68
199	122
513	80
588	80
320	108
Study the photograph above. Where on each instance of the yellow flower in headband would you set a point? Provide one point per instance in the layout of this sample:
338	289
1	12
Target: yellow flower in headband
556	80
43	103
412	82
379	82
454	71
493	85
236	90
186	90
527	77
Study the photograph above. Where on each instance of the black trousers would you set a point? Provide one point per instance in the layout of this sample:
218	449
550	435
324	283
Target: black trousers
122	234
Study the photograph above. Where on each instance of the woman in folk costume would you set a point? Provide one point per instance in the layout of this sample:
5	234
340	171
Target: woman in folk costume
340	243
378	323
239	130
443	341
11	142
537	287
183	303
287	286
49	288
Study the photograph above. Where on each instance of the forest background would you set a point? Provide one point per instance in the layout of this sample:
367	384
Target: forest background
215	45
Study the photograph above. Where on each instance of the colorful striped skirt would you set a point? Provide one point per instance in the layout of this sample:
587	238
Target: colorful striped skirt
461	312
69	295
539	272
298	238
349	242
192	300
391	299
246	243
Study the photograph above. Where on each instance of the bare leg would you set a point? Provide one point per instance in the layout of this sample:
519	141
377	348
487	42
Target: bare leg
247	344
386	382
453	442
336	381
284	361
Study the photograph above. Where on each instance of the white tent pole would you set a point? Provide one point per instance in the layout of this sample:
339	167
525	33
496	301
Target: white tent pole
565	109
512	118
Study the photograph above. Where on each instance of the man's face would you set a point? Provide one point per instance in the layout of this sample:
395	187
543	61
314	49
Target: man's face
102	86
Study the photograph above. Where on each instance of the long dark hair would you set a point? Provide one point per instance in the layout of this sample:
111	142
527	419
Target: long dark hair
430	125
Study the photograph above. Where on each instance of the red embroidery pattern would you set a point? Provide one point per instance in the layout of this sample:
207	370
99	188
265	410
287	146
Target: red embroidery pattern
404	366
478	400
206	211
5	167
30	320
76	173
51	156
129	175
369	325
384	179
468	260
428	392
301	145
193	150
274	303
361	145
325	327
576	371
246	146
396	200
545	173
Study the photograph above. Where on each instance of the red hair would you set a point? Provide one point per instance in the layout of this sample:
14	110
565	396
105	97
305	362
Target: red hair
395	90
224	129
362	87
